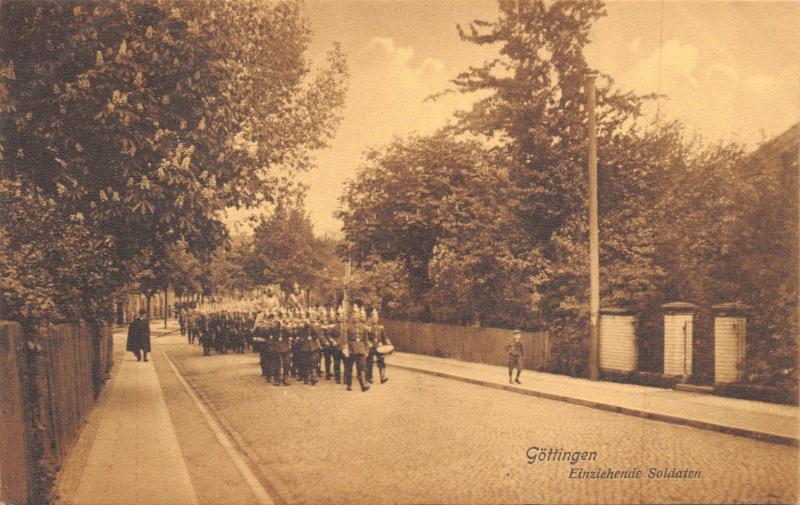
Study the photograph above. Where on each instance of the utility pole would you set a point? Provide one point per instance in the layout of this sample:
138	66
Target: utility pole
594	245
346	288
345	302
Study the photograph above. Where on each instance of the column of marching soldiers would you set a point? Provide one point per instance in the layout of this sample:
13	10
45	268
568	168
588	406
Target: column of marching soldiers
293	342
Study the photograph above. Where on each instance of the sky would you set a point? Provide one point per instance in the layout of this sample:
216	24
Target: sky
730	70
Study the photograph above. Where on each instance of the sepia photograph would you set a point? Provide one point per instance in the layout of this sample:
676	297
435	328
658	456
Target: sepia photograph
399	252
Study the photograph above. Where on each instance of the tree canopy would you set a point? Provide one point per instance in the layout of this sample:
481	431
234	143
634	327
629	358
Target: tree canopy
487	219
146	119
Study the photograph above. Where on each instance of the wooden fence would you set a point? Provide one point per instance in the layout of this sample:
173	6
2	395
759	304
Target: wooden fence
48	383
466	343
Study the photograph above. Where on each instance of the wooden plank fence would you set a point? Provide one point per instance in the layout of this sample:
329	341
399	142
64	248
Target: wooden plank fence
466	343
46	390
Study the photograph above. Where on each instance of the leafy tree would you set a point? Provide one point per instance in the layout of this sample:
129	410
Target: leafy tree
284	248
439	207
384	285
727	231
150	117
394	207
765	249
534	116
474	217
329	279
52	267
185	272
225	273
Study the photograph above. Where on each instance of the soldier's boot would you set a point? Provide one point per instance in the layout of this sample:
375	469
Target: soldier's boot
285	379
382	371
368	368
362	382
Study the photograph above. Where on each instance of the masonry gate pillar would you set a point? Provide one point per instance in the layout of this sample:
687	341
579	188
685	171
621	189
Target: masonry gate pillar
730	328
678	336
618	350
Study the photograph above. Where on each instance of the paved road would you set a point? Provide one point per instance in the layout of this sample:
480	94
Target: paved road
424	439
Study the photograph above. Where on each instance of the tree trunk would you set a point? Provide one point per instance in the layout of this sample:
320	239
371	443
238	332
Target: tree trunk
166	305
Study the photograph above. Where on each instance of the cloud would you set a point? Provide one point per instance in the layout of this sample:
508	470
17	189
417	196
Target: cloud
389	85
674	65
395	81
716	99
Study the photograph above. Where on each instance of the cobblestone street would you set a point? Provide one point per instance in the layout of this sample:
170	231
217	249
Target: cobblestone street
424	439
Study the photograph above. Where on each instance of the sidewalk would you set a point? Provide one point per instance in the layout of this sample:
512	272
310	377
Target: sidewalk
130	451
760	420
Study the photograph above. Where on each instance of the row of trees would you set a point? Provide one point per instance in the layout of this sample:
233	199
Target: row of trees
128	126
282	251
486	220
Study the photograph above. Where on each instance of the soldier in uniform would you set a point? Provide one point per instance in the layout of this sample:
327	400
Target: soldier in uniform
377	337
308	352
240	332
249	317
326	351
221	333
191	325
338	340
282	348
515	356
182	321
331	350
357	350
294	352
205	332
262	329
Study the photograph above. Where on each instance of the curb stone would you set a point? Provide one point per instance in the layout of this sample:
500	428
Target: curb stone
655	416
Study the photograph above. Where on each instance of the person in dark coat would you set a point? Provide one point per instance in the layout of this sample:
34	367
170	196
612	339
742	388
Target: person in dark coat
139	336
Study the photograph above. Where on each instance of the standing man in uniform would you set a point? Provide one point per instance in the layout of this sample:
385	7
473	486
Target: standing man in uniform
205	331
182	320
281	347
357	350
515	355
261	330
377	337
